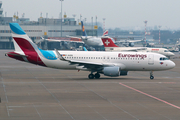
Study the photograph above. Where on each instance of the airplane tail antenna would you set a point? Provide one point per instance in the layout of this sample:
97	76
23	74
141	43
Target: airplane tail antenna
107	41
83	29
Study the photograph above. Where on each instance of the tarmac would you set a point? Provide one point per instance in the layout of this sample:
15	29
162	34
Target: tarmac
30	92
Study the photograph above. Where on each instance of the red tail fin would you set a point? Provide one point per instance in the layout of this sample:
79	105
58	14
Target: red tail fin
107	41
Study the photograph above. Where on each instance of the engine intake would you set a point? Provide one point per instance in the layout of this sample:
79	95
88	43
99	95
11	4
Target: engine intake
113	71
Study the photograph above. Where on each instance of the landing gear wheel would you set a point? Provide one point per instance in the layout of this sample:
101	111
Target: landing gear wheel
151	77
97	75
91	76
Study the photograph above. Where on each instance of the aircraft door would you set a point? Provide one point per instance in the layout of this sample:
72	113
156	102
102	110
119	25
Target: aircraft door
151	59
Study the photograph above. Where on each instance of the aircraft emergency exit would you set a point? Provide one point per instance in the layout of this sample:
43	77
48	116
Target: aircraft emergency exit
108	63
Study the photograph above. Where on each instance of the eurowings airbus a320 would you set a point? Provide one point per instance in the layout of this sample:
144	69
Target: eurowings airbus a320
108	63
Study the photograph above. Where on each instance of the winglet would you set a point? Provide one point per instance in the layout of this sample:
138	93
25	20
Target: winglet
59	56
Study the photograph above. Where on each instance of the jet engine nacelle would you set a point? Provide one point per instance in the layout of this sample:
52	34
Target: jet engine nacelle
114	71
111	71
131	44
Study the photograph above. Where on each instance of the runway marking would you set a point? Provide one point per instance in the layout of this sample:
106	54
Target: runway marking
105	99
7	110
55	99
153	110
96	111
2	81
52	95
70	82
37	111
110	102
150	96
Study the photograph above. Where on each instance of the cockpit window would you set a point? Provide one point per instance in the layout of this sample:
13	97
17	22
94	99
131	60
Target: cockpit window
166	50
164	58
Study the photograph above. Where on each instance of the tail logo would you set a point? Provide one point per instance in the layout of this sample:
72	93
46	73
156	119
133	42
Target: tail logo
83	29
107	42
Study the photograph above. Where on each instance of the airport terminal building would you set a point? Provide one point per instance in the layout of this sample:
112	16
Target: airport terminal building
37	29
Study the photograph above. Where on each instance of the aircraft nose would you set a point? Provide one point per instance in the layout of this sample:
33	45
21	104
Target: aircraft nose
172	64
172	54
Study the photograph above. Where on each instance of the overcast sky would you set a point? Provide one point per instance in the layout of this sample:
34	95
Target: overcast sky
118	13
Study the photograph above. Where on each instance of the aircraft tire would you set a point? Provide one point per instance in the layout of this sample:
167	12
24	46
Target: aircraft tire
151	77
97	75
91	76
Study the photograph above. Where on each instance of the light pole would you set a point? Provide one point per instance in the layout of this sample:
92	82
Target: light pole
104	24
96	26
92	25
61	16
145	22
159	34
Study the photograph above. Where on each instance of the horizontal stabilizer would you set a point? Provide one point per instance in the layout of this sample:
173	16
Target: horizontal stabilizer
18	55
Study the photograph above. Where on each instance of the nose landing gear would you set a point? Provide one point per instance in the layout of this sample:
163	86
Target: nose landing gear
151	75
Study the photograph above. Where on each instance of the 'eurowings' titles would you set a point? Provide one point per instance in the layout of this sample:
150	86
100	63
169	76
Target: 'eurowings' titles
132	55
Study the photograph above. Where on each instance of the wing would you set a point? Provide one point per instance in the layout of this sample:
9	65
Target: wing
92	66
54	40
132	41
72	37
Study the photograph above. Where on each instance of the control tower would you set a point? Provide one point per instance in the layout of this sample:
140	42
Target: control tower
4	20
1	10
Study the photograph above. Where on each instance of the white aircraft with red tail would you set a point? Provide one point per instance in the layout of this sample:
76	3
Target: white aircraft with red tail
110	46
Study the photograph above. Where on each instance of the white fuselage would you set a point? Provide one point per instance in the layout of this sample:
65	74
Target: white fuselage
129	61
92	41
162	51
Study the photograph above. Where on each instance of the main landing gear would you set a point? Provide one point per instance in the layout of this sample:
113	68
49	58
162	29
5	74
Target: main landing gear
151	75
91	76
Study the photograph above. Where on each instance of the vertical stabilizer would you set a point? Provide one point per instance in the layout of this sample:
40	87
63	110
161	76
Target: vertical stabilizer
105	33
83	29
22	42
25	49
107	41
